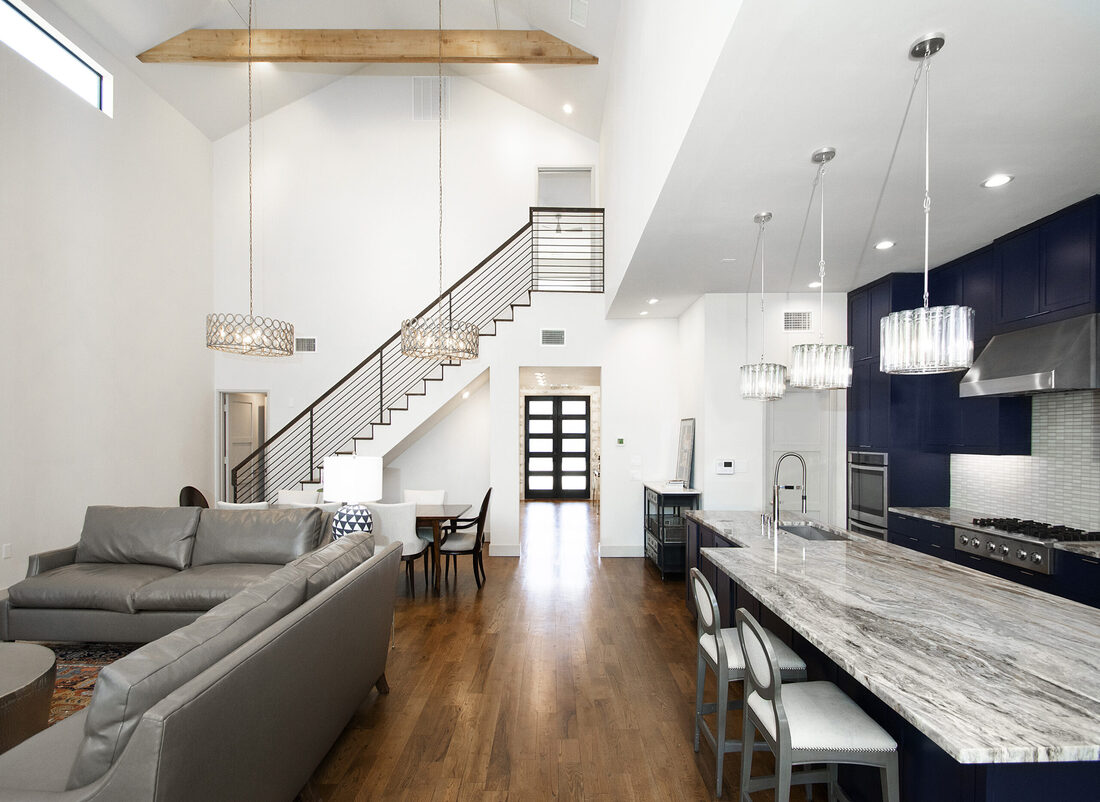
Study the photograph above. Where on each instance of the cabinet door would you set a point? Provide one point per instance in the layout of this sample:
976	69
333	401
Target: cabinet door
859	431
945	285
859	325
1078	577
979	292
879	409
1069	259
691	560
1019	276
881	306
941	412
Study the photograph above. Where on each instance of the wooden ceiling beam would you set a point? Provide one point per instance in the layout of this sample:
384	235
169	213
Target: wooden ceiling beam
367	46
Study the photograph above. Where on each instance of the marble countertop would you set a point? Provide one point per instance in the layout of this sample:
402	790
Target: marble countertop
957	516
661	487
992	671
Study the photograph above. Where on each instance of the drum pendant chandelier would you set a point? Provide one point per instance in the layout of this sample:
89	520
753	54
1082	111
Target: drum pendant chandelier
817	366
250	334
764	381
938	339
440	336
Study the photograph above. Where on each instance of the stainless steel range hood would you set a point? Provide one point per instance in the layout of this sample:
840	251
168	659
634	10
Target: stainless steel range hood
1052	358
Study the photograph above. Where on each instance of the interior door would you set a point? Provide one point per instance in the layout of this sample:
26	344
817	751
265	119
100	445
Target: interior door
557	447
244	433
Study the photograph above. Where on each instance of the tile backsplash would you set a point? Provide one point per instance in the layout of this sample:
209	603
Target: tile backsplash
1059	483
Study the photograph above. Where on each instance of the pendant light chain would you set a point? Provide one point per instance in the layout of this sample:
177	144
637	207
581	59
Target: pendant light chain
927	164
763	241
439	92
821	258
250	311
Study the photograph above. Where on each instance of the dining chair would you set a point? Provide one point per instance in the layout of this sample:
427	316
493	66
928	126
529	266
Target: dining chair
193	497
396	523
298	498
811	722
426	497
720	651
468	542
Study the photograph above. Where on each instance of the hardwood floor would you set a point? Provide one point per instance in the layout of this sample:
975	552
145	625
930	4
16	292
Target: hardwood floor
565	677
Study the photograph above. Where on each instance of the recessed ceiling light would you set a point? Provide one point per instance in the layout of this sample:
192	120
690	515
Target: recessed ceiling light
567	108
644	312
813	285
997	180
884	245
465	393
652	301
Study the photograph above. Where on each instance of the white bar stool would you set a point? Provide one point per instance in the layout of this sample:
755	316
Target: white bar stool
812	722
720	651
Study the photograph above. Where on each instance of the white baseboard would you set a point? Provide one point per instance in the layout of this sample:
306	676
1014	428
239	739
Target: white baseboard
503	549
622	551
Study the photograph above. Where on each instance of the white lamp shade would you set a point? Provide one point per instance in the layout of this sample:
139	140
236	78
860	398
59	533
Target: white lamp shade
351	479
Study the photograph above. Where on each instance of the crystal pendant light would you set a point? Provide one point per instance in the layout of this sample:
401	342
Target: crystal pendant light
938	339
817	366
440	336
764	381
249	334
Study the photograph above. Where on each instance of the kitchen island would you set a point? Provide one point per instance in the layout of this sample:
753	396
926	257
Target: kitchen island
992	689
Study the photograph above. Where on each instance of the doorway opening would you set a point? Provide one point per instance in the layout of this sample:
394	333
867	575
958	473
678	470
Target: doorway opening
569	187
242	428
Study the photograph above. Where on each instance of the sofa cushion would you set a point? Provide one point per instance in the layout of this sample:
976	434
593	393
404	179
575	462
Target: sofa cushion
255	536
200	587
97	586
127	688
146	535
325	565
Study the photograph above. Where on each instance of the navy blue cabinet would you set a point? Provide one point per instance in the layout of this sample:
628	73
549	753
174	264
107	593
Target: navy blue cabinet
1047	271
923	536
859	326
1077	577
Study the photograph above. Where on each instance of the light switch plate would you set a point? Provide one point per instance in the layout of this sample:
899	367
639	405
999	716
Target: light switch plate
724	466
5	551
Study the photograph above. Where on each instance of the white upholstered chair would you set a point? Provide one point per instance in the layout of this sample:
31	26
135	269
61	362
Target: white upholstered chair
426	497
720	651
298	498
811	722
396	523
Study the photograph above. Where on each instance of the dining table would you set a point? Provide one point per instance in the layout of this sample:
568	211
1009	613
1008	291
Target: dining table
435	516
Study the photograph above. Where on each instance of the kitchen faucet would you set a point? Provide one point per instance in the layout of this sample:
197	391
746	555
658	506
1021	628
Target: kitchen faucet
776	487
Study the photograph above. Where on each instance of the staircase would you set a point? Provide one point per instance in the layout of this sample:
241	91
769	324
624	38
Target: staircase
557	250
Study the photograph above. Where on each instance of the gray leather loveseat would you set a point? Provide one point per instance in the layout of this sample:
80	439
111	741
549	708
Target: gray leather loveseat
242	703
138	573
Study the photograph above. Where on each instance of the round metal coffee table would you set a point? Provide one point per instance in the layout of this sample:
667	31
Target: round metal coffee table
27	674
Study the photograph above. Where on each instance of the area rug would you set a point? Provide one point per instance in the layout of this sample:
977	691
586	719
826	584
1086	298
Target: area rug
78	666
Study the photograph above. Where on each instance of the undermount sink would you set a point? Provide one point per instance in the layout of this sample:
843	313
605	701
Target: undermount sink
810	532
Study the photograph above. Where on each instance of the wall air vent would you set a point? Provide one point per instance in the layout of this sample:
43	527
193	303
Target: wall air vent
553	336
798	321
578	12
426	97
305	344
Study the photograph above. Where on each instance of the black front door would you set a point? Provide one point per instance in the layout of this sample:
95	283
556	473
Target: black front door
557	447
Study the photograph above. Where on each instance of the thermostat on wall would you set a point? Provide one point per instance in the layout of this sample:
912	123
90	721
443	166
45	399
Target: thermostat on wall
724	466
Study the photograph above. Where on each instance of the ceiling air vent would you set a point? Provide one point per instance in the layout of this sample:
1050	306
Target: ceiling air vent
798	321
553	336
426	97
578	12
305	344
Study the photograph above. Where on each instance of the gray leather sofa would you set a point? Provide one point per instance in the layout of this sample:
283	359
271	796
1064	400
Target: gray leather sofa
242	703
138	573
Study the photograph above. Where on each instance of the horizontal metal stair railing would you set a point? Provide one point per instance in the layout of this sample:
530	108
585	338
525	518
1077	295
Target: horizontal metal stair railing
559	249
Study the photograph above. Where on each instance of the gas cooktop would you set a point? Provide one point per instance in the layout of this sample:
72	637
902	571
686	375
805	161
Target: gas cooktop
1037	529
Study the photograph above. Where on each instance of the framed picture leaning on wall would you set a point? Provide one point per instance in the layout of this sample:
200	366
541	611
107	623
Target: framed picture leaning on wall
685	451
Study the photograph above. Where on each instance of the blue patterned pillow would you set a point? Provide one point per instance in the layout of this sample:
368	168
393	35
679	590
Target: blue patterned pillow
352	518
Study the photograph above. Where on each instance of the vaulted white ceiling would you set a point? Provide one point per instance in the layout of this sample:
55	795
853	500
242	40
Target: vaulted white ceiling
1014	90
214	96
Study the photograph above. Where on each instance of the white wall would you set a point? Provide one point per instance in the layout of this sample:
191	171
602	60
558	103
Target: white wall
105	267
453	454
718	334
663	58
346	209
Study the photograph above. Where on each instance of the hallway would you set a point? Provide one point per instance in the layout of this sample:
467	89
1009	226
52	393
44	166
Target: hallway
566	677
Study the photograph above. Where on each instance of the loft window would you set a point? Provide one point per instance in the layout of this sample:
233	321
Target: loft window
36	40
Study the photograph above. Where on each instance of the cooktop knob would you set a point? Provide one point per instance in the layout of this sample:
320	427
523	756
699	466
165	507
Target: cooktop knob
991	546
1036	558
963	539
1004	550
974	542
1021	554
